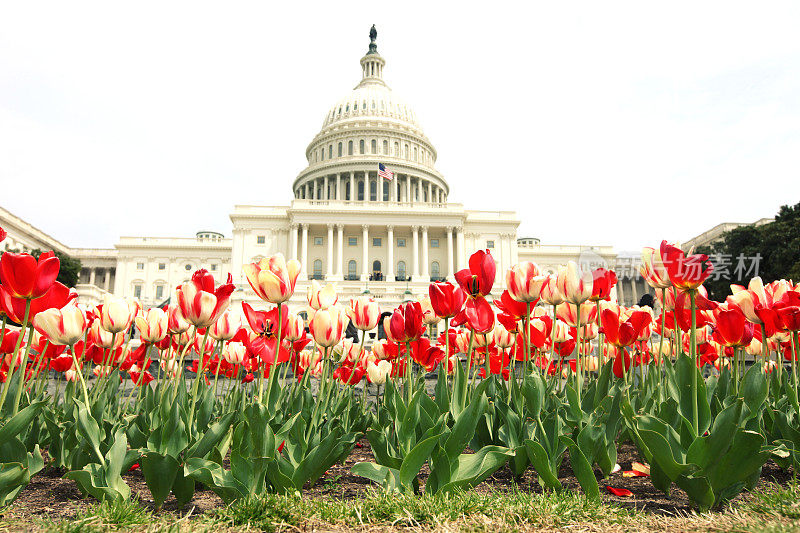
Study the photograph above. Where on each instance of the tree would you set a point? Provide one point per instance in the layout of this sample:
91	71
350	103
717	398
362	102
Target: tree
774	248
70	267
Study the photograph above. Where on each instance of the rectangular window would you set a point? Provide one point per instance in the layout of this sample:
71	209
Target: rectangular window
159	292
261	239
401	242
213	268
137	291
162	266
352	241
490	244
317	241
139	266
434	243
376	241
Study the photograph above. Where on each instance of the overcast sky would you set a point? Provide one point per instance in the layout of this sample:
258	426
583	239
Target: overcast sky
598	122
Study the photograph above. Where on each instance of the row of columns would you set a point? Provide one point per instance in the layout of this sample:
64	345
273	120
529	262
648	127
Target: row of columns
416	272
403	188
106	277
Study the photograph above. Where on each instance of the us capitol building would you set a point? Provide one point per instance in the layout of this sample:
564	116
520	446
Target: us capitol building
345	224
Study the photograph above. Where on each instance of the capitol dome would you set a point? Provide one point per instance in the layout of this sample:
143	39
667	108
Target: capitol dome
367	128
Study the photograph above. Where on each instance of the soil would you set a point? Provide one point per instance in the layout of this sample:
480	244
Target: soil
50	495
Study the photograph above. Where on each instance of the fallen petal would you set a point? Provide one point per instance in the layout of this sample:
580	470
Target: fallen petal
619	492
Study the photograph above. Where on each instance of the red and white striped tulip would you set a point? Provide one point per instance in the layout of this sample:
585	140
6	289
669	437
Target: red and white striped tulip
64	327
103	338
152	325
501	336
379	372
226	326
320	297
364	313
273	278
653	270
327	326
116	314
200	302
429	316
234	352
176	323
550	293
574	285
295	327
524	282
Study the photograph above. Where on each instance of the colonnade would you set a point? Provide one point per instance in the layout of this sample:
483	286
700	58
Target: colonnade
368	186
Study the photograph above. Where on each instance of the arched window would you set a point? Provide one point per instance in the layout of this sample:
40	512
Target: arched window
340	150
397	149
401	270
322	154
415	153
376	267
405	151
386	147
373	190
374	146
435	269
330	151
361	191
318	268
347	191
351	269
361	146
349	147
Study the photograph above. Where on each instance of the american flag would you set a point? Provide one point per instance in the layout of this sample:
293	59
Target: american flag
383	172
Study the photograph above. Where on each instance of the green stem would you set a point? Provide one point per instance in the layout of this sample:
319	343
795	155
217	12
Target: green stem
693	347
526	335
578	366
80	374
765	355
14	353
793	339
179	372
201	367
272	371
661	362
469	362
21	380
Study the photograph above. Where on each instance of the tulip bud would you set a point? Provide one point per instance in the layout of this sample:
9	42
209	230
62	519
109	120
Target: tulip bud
226	326
379	372
575	286
364	313
152	325
321	297
501	337
61	326
273	278
524	282
116	314
327	326
296	327
429	317
234	352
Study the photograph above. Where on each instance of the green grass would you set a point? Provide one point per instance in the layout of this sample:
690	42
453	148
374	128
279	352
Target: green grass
102	517
271	512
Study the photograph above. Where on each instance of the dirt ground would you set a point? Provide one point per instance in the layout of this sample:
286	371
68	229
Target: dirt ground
50	495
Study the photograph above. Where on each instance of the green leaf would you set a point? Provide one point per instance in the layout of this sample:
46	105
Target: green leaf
465	425
212	436
473	468
19	422
212	475
582	469
386	477
541	462
412	463
754	389
159	473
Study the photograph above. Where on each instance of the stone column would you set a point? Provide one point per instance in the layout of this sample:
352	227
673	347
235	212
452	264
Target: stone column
621	294
106	279
430	193
364	252
353	193
379	187
293	250
636	293
450	253
338	186
325	195
304	253
408	189
390	253
307	194
329	257
415	252
91	282
460	248
425	243
501	261
340	251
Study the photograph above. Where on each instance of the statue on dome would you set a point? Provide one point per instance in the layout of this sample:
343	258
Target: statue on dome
373	34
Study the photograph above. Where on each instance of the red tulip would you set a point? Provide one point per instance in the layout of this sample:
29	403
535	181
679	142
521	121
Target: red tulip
264	344
477	315
790	317
510	306
602	282
732	327
477	280
406	322
348	373
426	355
200	303
23	276
58	296
498	365
623	333
685	272
2	234
622	357
446	299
